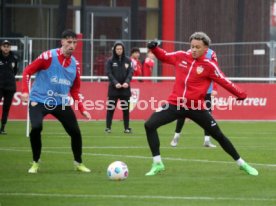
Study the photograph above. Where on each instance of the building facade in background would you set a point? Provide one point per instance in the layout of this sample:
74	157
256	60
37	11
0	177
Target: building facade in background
225	21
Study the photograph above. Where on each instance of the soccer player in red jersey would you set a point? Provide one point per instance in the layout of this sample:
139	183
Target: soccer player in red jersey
194	73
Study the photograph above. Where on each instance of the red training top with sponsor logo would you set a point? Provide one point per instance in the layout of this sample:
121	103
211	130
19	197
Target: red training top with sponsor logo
193	78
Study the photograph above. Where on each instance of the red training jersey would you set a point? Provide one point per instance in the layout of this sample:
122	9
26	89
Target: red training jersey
147	67
193	78
137	68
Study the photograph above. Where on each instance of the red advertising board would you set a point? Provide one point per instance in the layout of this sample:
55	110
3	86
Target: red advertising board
259	104
147	97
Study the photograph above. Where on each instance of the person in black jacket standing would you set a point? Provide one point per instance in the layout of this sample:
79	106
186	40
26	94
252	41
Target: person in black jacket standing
119	72
8	70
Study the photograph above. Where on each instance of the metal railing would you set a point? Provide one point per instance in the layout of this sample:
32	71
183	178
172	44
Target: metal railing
242	59
172	78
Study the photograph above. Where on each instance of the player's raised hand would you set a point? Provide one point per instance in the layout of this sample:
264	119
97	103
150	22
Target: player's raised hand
152	44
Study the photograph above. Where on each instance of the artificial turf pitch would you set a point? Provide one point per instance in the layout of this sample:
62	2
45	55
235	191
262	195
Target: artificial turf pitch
194	175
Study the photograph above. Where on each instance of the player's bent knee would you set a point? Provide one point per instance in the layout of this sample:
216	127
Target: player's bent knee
147	125
150	125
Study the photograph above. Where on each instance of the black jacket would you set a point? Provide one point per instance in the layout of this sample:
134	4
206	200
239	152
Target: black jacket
119	70
8	70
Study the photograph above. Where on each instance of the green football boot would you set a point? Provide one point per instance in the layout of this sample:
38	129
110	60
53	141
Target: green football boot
34	168
248	169
156	168
81	167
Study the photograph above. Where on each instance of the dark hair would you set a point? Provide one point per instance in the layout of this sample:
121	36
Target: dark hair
68	33
201	36
135	49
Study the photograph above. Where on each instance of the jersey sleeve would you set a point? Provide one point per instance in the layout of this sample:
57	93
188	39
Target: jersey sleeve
129	73
214	57
218	76
75	91
111	77
215	86
40	63
166	57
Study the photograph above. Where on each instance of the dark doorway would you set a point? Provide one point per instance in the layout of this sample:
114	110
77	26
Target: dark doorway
106	26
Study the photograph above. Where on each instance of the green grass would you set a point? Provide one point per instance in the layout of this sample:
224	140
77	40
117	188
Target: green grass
194	175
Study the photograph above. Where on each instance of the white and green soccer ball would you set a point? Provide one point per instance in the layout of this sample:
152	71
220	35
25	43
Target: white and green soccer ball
117	170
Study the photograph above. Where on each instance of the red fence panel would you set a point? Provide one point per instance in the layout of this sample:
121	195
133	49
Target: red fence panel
147	97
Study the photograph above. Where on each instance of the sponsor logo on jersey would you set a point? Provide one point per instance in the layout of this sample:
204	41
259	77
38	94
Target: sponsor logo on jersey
56	80
183	64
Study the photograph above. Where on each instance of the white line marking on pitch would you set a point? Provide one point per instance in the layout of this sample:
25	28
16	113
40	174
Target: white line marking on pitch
139	157
144	147
135	197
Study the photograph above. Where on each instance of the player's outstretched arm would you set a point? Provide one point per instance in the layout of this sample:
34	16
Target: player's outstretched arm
218	76
164	56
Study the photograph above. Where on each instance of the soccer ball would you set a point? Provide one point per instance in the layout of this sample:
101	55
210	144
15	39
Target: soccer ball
117	171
